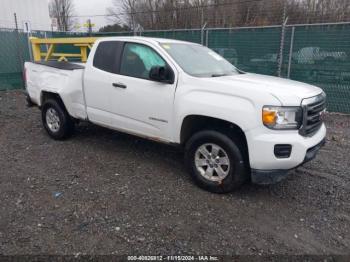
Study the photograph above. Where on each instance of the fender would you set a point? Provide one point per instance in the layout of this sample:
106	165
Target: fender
237	110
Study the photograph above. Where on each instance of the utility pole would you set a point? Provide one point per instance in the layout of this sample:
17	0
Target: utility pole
89	27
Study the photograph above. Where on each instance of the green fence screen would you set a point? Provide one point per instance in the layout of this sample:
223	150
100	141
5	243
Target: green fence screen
321	56
315	54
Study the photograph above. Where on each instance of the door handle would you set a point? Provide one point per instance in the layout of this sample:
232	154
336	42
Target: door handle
119	85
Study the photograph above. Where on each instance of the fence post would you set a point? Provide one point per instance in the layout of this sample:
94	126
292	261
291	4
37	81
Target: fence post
202	23
207	38
280	60
283	29
202	33
18	46
291	52
29	46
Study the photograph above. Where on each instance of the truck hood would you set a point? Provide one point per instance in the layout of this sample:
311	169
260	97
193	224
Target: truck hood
288	92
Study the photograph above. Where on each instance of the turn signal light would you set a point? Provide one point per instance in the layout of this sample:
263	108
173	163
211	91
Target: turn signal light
269	117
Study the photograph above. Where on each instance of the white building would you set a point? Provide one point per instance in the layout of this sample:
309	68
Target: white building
34	13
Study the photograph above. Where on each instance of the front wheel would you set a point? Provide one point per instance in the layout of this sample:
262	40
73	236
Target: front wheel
215	162
57	122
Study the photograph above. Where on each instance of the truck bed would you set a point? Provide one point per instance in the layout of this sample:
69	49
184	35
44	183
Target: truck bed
61	65
63	78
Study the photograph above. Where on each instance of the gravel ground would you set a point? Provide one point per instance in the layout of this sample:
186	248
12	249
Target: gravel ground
103	192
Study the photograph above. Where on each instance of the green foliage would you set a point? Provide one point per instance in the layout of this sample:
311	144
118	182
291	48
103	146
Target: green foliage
114	28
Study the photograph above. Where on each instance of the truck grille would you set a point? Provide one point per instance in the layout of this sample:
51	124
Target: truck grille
312	111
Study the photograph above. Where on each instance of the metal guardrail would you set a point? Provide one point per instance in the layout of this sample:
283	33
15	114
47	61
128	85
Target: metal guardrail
83	43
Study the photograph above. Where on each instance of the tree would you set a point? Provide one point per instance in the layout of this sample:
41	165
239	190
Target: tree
173	14
63	11
122	13
114	28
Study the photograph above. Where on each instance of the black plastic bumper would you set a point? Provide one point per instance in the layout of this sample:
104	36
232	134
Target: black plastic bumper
267	177
29	101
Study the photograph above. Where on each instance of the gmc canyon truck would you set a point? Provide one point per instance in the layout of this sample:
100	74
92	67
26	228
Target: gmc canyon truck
233	126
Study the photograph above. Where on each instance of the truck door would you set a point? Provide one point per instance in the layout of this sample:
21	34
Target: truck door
98	79
138	104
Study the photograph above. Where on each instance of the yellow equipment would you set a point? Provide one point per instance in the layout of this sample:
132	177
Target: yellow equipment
82	42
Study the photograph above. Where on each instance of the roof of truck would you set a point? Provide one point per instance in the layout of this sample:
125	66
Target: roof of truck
148	39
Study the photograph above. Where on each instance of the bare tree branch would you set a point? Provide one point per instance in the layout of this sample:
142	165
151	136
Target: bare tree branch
172	14
63	11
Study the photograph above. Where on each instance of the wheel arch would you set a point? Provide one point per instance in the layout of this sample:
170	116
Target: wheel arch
195	123
65	129
46	95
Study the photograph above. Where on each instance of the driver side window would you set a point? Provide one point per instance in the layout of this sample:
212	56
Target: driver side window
137	60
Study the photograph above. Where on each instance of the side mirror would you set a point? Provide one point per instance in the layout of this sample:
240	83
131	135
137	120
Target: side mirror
162	74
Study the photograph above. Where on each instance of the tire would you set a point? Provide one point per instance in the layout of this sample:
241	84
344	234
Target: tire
56	120
231	177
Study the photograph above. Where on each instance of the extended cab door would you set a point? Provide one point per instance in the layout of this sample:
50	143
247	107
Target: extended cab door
98	79
138	104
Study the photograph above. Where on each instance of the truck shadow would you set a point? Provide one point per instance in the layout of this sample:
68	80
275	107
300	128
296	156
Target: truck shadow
169	159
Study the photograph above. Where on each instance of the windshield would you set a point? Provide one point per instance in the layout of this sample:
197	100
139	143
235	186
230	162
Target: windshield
199	61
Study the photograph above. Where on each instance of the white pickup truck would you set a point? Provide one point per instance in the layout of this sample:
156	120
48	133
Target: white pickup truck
233	126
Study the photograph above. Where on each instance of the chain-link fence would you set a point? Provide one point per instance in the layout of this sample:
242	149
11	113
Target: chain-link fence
315	54
318	54
13	51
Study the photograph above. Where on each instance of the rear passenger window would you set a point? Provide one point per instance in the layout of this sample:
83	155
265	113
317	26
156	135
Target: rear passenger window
107	56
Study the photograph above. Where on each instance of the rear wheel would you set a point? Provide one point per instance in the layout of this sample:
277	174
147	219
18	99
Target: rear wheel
56	121
215	162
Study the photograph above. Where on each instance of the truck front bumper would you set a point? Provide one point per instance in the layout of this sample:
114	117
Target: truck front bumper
266	168
267	177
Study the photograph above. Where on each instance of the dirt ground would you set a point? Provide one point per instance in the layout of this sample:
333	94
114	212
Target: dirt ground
102	192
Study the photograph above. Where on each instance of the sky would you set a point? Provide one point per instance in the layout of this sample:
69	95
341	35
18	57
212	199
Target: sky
92	7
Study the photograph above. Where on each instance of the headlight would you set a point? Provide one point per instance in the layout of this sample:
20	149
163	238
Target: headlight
282	117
